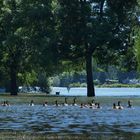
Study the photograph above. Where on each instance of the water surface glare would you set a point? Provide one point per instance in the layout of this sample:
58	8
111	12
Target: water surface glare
69	119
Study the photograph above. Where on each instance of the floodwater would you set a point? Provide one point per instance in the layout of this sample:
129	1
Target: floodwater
69	120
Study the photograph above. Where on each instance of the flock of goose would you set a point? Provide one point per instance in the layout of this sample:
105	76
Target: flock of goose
5	103
92	104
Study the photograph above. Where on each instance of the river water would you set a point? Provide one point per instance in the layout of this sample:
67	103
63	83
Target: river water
69	119
98	91
73	119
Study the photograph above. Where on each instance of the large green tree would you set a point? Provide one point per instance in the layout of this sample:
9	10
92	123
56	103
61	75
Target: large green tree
26	33
13	40
94	28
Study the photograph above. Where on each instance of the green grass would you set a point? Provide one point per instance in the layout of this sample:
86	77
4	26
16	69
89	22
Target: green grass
34	136
111	85
25	98
118	85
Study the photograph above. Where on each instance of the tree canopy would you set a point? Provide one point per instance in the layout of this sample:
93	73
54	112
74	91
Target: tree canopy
45	37
27	37
98	28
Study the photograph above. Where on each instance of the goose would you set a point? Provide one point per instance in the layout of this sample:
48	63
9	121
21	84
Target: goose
45	104
119	105
74	102
7	103
4	103
56	103
98	105
129	104
93	102
82	105
65	104
31	103
114	106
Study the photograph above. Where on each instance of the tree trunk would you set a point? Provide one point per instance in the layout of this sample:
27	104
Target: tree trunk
13	82
90	83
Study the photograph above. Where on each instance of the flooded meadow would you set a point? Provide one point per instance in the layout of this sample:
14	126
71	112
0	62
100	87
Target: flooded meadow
69	120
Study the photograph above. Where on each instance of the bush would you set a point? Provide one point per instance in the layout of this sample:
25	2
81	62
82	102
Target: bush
78	84
75	84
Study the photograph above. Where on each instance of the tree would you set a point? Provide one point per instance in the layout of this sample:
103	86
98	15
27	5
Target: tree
94	27
137	35
137	46
14	40
26	37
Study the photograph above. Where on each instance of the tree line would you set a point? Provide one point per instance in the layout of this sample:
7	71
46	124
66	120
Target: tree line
48	37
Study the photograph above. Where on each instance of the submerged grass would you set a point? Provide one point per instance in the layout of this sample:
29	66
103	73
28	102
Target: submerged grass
34	136
25	98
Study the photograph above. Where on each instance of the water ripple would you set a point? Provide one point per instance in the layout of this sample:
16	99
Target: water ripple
69	119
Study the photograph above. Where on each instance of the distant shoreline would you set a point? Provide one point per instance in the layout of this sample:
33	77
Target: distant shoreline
116	85
119	86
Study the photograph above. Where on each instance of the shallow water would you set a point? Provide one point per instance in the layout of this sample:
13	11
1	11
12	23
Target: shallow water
69	120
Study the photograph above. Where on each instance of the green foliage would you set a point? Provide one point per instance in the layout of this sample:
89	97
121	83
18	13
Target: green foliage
119	86
137	48
102	77
95	27
27	39
59	35
75	84
104	25
43	82
55	81
27	78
